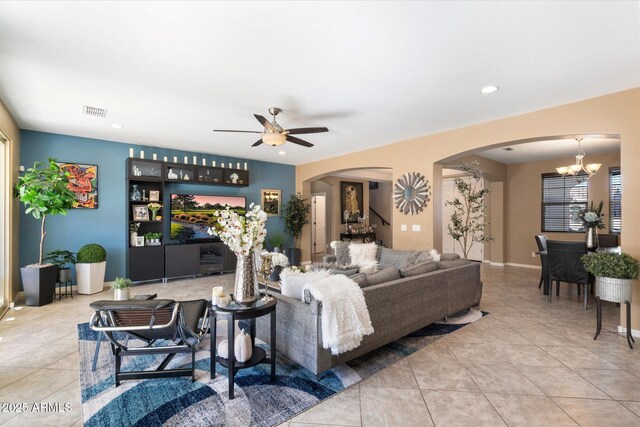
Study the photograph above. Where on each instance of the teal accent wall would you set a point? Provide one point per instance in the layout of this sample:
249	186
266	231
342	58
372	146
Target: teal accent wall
107	225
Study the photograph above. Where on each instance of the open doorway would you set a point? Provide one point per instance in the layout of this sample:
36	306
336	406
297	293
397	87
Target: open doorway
318	223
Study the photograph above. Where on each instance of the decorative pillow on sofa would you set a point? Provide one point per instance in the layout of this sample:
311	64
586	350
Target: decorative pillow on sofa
419	268
364	255
291	283
388	274
394	257
449	257
341	252
360	279
347	271
453	263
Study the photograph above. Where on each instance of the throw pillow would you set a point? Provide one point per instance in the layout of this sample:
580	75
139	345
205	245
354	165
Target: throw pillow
420	268
362	252
368	267
394	257
341	252
360	279
291	282
449	257
388	274
453	263
349	271
434	255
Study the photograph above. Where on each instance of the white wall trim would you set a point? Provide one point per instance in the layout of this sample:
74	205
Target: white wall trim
623	330
488	261
497	264
513	264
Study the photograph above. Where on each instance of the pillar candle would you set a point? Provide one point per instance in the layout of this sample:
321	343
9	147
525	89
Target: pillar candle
195	160
175	159
204	162
155	156
141	154
213	163
165	158
131	152
238	165
186	160
245	165
222	165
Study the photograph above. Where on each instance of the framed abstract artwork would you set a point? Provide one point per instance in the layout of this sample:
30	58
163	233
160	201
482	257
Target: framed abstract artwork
83	181
351	201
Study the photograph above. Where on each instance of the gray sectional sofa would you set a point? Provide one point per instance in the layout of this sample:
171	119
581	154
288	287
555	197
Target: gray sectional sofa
396	308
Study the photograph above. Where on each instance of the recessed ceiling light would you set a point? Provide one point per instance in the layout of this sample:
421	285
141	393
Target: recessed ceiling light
116	125
488	89
282	152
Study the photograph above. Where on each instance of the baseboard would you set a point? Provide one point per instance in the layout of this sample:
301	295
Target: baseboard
513	264
497	264
623	330
488	261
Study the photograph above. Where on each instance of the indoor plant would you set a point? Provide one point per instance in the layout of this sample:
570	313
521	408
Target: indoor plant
154	207
90	268
276	239
592	219
614	274
62	258
120	288
153	239
244	235
296	216
133	233
43	190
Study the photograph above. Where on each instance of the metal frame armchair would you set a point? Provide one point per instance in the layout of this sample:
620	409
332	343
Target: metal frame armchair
174	327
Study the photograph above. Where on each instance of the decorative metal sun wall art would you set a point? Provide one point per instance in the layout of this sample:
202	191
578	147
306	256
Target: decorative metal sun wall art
411	193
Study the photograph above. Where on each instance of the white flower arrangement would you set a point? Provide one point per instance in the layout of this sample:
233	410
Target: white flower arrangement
279	260
243	235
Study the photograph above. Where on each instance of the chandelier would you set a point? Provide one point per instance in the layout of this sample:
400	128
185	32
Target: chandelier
589	169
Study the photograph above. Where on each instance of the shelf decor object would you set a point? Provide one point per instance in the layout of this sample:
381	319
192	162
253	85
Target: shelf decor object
411	193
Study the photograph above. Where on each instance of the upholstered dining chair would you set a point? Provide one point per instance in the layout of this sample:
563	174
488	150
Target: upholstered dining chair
164	326
565	265
541	241
608	240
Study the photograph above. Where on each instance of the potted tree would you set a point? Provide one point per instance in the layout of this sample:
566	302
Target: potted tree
90	269
121	288
43	190
62	258
296	216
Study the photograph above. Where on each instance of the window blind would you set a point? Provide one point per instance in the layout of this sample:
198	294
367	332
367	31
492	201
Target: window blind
615	200
562	198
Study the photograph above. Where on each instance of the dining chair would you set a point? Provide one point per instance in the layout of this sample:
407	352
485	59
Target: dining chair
565	265
608	240
541	241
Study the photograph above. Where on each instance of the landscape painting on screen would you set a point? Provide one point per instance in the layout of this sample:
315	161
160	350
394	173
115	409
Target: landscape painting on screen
192	215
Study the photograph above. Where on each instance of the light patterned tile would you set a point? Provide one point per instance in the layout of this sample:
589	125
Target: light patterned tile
456	408
521	411
597	413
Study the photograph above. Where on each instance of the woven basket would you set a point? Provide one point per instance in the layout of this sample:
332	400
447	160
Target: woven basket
614	290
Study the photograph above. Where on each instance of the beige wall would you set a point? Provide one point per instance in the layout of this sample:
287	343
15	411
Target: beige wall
524	196
381	200
617	113
11	130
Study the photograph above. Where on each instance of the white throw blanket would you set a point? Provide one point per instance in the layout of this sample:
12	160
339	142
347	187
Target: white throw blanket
345	317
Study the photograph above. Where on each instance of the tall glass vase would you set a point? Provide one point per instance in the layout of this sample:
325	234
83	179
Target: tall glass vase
246	291
591	239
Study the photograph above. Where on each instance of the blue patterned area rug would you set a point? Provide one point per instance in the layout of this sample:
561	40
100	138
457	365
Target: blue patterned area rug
258	401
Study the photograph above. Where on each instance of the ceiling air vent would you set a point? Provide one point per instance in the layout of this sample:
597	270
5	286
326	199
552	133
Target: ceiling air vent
94	111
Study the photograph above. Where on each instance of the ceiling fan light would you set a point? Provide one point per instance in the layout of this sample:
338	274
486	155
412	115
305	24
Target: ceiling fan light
562	170
593	167
274	138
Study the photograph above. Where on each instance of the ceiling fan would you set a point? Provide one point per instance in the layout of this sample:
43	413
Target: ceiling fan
274	134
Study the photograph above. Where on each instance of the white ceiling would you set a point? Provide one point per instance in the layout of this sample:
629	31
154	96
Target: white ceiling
374	73
551	149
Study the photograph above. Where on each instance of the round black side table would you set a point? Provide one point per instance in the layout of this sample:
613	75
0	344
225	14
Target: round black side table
232	313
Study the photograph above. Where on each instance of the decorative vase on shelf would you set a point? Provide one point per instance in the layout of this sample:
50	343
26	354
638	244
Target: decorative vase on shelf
591	239
134	237
136	196
246	291
154	213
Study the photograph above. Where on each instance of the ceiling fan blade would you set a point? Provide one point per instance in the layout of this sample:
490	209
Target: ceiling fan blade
299	141
258	142
306	130
241	131
266	123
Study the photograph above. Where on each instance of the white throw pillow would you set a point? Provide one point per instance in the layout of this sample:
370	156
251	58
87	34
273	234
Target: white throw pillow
292	283
364	256
435	255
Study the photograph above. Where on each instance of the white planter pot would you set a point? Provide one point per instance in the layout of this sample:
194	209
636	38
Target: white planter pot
121	294
614	290
90	277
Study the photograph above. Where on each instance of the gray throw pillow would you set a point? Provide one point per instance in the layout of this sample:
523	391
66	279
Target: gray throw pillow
453	263
341	251
360	279
394	257
449	257
385	275
345	271
419	268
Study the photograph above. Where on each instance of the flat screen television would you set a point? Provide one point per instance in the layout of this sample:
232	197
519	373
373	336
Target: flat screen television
192	214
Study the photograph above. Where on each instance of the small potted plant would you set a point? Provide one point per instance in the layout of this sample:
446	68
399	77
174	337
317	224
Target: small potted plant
276	239
133	233
614	274
43	189
154	208
153	239
120	288
62	258
90	268
278	262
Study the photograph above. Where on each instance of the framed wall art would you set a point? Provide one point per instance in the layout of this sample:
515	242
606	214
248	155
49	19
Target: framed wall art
271	201
154	196
140	213
83	181
351	201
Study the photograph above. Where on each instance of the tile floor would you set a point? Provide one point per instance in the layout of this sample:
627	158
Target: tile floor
527	363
